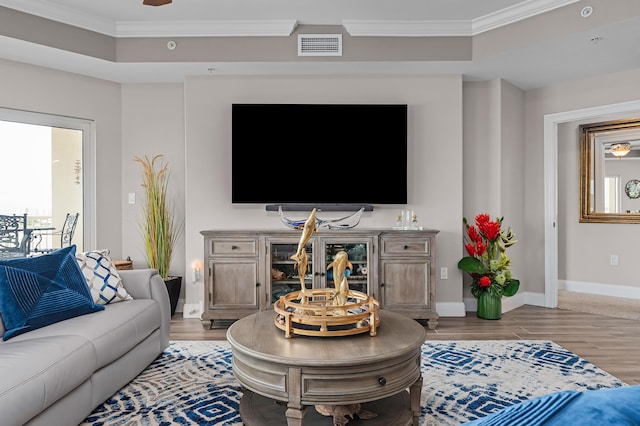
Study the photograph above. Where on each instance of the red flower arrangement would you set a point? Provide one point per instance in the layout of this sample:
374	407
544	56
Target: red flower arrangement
487	262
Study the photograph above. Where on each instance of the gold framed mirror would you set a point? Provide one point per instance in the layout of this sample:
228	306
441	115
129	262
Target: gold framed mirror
610	171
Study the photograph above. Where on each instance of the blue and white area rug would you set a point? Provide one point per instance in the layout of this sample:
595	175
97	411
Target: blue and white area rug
192	383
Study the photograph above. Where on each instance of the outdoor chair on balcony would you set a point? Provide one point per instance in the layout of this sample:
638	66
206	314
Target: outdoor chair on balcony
65	234
14	236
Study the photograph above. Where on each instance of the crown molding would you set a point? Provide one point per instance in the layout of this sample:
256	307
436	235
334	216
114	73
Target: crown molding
407	28
206	28
70	16
492	21
516	13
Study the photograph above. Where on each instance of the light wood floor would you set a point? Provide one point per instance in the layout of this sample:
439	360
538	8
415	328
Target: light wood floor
613	344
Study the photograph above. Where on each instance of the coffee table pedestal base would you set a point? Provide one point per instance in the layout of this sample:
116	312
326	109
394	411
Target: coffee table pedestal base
257	410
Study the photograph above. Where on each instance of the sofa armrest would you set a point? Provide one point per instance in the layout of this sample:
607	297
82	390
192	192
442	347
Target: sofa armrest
147	284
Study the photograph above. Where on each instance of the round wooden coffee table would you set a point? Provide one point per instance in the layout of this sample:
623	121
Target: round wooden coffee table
306	371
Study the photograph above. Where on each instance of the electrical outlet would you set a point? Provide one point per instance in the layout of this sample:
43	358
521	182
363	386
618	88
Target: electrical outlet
132	198
444	273
613	260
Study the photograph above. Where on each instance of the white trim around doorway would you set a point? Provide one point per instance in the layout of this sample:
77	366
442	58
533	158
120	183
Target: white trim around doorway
551	122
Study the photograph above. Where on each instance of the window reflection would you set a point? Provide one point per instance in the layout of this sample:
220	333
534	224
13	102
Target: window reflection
609	165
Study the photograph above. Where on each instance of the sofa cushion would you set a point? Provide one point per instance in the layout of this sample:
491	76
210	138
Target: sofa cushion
112	332
102	277
37	372
39	291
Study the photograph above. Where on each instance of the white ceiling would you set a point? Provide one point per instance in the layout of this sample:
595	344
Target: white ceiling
101	15
542	63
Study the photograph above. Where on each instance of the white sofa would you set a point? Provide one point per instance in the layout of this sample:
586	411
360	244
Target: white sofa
57	375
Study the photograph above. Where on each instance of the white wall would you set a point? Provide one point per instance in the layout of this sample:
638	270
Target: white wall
36	89
512	202
493	163
584	248
191	125
434	152
152	124
493	120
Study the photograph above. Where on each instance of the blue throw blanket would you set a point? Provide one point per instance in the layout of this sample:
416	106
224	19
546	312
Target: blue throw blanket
617	406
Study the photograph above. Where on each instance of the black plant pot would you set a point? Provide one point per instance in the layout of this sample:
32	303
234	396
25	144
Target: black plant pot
173	288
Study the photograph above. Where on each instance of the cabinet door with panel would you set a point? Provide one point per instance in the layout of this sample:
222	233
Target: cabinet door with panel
321	252
282	271
407	282
359	249
232	284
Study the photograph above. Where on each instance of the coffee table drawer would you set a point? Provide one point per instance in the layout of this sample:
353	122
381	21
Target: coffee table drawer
362	386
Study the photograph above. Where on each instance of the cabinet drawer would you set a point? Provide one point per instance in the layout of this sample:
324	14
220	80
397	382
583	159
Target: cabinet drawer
233	247
406	246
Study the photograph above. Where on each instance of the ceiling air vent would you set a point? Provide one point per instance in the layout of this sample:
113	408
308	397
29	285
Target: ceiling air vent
319	44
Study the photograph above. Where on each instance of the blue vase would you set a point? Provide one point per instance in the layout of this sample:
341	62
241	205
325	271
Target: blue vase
489	306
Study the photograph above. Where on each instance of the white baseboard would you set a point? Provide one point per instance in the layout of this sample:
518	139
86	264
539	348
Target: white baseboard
192	310
611	290
509	303
450	309
444	309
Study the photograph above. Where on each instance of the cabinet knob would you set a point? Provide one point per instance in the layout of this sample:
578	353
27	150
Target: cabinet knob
257	284
234	247
381	284
382	381
406	247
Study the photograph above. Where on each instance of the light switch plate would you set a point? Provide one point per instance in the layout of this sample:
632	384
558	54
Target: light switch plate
444	273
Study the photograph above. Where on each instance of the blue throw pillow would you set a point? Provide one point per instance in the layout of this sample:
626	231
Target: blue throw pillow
42	290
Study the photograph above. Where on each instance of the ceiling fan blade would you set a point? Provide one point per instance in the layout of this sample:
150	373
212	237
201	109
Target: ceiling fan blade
156	2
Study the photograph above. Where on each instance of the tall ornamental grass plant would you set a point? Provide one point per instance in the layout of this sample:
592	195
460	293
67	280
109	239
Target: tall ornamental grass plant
159	227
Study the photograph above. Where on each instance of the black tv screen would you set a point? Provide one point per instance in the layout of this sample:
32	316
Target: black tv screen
319	153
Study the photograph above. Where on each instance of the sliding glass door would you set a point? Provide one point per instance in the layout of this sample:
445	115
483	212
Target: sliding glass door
47	171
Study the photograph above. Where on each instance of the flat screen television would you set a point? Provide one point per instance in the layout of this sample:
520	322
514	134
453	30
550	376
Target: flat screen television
320	154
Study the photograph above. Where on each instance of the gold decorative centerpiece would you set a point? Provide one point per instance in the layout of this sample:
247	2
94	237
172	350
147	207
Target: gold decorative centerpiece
325	312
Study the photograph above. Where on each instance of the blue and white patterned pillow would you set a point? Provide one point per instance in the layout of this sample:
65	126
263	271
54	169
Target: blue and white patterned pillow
102	277
42	290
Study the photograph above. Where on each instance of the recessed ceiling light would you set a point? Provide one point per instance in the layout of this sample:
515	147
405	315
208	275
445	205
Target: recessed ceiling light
586	11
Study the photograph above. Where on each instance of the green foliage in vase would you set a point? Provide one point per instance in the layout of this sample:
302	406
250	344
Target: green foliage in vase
159	228
487	262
